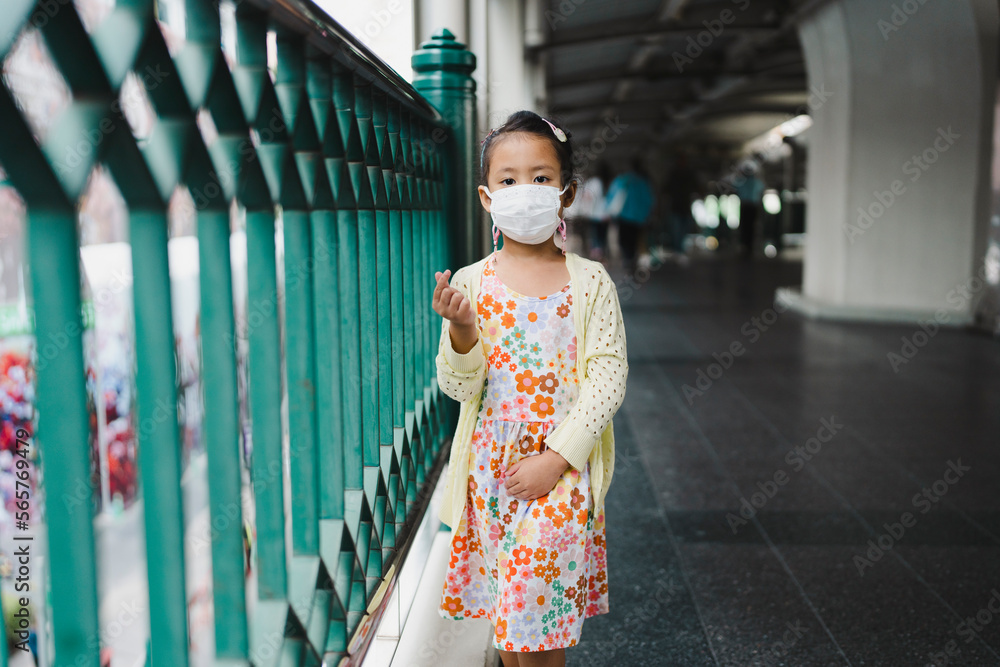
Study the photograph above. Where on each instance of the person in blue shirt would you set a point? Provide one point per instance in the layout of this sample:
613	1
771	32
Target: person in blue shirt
629	202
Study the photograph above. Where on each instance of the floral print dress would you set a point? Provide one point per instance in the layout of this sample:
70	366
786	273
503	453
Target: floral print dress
535	568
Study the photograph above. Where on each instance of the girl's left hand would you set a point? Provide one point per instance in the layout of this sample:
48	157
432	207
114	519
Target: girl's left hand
534	476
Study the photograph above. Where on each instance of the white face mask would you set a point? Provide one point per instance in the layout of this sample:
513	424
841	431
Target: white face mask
526	213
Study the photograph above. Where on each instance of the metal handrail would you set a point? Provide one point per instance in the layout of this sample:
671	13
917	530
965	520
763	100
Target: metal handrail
330	37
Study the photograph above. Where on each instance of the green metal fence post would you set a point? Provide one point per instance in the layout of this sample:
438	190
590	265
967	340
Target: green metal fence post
444	69
53	258
222	431
158	436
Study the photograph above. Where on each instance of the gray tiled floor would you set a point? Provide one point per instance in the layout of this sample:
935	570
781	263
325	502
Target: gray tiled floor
689	588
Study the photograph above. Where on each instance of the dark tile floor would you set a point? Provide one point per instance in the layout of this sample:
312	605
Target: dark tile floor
837	445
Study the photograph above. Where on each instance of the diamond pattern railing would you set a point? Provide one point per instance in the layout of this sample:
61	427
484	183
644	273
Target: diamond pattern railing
276	111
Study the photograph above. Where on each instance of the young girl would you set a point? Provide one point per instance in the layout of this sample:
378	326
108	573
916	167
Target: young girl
533	345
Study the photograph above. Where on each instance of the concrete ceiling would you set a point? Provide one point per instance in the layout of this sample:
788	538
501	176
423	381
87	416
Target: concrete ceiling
707	75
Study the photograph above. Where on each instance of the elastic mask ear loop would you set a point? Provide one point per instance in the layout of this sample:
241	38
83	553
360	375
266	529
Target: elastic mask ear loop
562	222
496	232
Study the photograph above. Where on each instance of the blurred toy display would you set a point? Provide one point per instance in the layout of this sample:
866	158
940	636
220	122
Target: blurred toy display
113	359
17	393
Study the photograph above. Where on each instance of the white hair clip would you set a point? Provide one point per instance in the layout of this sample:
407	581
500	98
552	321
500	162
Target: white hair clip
560	135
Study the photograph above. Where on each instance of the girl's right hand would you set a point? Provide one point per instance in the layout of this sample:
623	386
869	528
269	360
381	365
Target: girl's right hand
451	304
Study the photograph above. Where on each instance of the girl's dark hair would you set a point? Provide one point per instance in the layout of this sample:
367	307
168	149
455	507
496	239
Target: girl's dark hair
531	122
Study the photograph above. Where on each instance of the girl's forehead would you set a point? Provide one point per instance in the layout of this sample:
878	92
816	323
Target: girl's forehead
522	149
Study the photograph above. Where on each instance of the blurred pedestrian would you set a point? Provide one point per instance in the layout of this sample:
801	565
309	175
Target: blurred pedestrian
589	211
679	187
629	201
750	190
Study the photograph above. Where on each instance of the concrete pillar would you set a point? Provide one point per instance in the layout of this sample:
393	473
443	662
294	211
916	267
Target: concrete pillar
432	15
535	31
508	84
898	169
479	40
479	36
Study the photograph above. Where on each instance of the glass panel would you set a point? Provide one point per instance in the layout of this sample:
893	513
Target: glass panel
38	87
92	12
136	107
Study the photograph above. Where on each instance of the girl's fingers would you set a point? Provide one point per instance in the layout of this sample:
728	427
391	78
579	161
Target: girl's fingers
442	283
448	301
443	276
441	297
444	297
464	309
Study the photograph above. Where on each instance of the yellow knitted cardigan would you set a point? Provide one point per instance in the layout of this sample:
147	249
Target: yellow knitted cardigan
586	433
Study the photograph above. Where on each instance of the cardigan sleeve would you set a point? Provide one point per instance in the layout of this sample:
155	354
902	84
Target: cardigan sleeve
459	376
603	389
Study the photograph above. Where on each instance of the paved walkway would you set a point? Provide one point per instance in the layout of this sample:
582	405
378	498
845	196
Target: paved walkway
870	529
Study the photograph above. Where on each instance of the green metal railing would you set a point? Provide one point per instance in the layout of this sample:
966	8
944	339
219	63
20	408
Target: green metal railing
311	129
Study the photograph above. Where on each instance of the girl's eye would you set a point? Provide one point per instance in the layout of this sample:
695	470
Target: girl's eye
541	179
507	181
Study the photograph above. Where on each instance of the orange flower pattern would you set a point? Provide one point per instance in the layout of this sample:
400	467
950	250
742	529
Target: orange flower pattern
536	568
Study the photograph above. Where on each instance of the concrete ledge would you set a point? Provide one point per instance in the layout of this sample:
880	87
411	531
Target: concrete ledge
428	640
412	633
793	298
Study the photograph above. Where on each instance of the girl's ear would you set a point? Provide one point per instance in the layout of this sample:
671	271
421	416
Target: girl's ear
483	198
568	196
